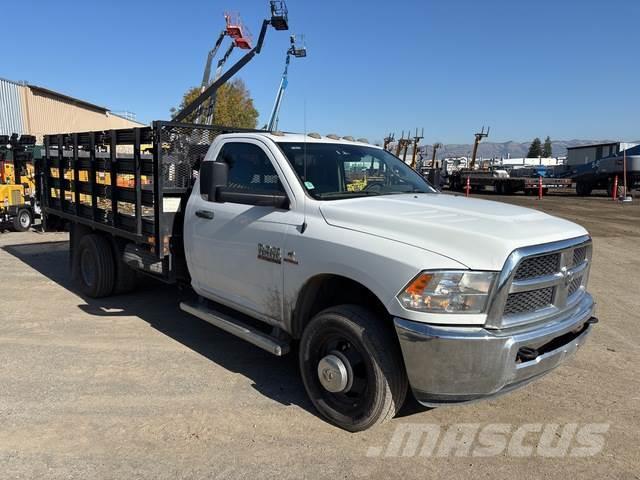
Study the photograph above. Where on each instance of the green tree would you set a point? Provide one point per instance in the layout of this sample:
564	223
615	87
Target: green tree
547	150
535	150
234	106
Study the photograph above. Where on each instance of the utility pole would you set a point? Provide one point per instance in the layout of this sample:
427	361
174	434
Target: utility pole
479	136
416	140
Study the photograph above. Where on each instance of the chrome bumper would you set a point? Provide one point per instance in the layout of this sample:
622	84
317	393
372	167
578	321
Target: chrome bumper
449	364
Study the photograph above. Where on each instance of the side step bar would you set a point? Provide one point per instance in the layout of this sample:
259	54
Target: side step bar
237	328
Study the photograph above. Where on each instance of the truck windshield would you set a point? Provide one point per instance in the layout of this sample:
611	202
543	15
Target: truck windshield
333	171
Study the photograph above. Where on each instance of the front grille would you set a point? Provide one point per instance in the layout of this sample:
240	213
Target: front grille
579	255
528	301
544	282
538	266
574	285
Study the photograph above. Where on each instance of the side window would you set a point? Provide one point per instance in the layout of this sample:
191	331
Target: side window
249	168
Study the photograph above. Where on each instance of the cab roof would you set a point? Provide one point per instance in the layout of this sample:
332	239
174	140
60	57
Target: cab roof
281	137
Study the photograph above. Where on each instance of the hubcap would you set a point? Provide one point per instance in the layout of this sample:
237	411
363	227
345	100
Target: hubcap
333	372
24	220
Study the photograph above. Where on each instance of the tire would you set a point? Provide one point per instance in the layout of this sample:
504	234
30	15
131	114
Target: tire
583	189
95	266
23	220
377	382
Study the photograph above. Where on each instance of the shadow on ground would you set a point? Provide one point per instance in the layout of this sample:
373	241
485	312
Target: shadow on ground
158	305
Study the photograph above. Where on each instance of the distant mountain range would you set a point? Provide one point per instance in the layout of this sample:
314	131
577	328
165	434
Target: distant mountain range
504	149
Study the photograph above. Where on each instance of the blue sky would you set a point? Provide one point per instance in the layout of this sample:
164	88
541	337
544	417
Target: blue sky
564	68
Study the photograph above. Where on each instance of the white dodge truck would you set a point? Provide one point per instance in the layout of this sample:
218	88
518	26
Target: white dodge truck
383	284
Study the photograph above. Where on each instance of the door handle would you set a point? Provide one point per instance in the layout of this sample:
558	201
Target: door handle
207	214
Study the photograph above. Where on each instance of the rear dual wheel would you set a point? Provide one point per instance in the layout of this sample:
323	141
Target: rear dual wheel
100	270
95	266
352	368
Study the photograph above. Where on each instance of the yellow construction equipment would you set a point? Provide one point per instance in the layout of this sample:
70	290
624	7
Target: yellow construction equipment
17	182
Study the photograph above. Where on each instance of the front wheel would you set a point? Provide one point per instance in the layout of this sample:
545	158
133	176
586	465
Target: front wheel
352	367
23	220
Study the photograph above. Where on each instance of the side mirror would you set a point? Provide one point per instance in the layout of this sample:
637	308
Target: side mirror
257	198
212	176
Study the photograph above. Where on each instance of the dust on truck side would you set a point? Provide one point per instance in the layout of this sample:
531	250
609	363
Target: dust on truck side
281	241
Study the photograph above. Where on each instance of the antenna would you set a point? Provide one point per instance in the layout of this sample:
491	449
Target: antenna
479	137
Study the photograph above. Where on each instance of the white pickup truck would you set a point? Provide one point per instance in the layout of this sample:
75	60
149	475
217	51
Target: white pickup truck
382	283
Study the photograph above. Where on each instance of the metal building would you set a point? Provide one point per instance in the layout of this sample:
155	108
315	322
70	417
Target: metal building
29	109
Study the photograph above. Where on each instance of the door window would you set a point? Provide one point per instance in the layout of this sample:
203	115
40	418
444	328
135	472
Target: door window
249	168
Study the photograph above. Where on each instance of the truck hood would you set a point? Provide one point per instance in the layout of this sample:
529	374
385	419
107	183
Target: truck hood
479	234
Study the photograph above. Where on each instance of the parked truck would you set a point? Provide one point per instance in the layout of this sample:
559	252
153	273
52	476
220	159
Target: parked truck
603	172
381	287
504	182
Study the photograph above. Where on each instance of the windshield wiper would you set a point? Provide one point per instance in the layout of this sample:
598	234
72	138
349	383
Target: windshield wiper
347	194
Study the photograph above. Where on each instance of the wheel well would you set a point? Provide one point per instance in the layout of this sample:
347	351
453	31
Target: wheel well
324	291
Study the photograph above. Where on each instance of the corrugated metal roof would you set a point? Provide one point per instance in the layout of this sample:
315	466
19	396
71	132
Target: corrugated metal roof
66	98
48	113
11	119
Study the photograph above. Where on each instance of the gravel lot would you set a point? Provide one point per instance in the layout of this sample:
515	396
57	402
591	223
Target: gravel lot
130	387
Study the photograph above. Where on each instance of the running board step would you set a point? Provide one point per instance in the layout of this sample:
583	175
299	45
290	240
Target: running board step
237	328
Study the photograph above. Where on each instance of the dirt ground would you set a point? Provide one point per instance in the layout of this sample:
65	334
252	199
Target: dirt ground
130	387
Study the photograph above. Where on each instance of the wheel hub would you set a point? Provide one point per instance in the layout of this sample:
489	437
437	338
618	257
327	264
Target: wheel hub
334	372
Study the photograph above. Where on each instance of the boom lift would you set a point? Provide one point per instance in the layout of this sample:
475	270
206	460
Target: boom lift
479	136
436	146
241	38
388	139
207	70
416	140
279	21
275	112
402	145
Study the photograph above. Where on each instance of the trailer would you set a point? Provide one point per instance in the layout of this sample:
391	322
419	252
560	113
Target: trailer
602	173
503	183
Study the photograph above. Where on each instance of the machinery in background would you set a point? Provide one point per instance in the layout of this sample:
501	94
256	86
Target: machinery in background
241	38
279	21
479	136
388	140
18	206
295	51
416	141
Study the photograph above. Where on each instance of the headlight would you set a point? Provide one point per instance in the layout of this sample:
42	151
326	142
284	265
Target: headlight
448	292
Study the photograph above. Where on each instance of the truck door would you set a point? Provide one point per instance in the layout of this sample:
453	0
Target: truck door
233	250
